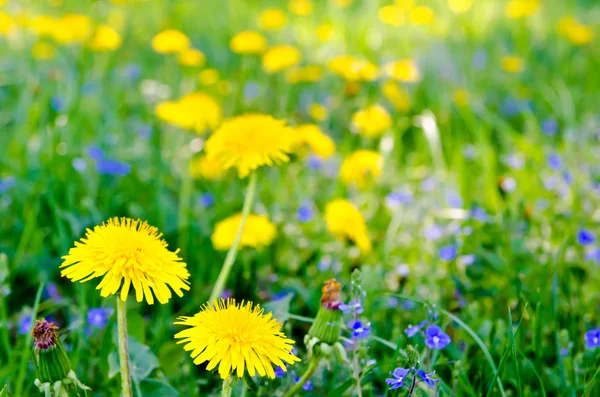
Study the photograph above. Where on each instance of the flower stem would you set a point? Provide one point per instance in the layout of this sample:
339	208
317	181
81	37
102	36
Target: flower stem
312	367
227	387
412	387
123	347
232	253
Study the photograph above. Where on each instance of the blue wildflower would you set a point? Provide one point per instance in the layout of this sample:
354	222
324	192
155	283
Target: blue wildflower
479	214
433	233
7	183
412	330
427	378
428	184
307	386
95	153
549	127
305	213
593	255
592	338
79	164
314	162
468	260
435	338
510	107
133	71
448	252
25	324
360	330
144	131
251	90
554	161
352	307
282	295
397	198
206	200
112	167
454	200
279	373
568	177
51	292
585	237
57	103
397	381
98	317
408	305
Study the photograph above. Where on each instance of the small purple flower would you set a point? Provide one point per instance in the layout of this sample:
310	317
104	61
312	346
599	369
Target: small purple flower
508	184
397	381
25	324
305	213
144	131
95	153
514	161
435	338
448	252
112	167
133	71
360	330
593	255
585	237
549	127
206	200
397	198
314	162
79	164
468	260
307	386
98	317
251	90
412	330
351	307
7	183
592	338
433	233
57	103
227	294
427	378
554	162
454	200
428	184
568	177
51	291
279	373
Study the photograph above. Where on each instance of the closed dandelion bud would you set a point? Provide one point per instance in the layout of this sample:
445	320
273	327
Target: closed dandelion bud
50	359
325	332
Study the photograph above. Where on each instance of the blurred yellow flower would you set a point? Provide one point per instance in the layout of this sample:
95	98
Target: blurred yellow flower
462	97
206	167
575	32
361	167
195	111
43	25
170	41
300	7
318	142
306	74
522	8
43	51
512	64
72	28
405	70
248	42
324	32
272	19
459	6
343	3
391	15
7	24
279	58
318	112
258	232
353	69
224	87
345	221
397	96
127	252
372	121
191	57
405	5
421	15
250	141
208	77
105	39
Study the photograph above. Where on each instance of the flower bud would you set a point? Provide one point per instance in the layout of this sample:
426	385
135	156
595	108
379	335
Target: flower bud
50	359
325	332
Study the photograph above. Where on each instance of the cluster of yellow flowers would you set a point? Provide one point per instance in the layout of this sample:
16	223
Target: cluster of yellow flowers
172	41
195	111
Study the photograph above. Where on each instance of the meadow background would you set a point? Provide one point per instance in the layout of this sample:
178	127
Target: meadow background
482	207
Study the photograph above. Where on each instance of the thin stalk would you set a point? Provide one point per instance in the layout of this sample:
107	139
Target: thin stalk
227	387
123	348
312	367
232	253
412	387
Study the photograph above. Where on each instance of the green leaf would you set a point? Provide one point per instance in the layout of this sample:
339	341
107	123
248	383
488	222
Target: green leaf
141	360
136	326
170	355
157	388
3	392
280	307
3	268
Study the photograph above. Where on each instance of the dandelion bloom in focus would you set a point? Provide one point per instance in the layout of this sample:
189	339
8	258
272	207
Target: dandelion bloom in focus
236	337
170	41
396	95
372	121
512	64
43	51
279	58
250	141
421	15
391	15
105	39
361	167
459	6
195	111
272	19
248	42
345	221
317	141
301	7
405	70
206	167
258	232
575	32
191	57
127	252
522	8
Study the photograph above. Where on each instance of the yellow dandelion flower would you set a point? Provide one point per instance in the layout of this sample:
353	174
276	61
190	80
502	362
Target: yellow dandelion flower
301	7
325	32
251	141
512	64
208	77
405	70
237	338
317	141
248	42
191	57
272	19
127	252
404	5
421	15
459	6
372	122
343	3
7	24
195	111
105	39
206	167
170	41
353	69
575	32
258	232
396	95
318	112
345	221
43	51
43	25
391	15
522	8
361	167
306	74
72	28
279	58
